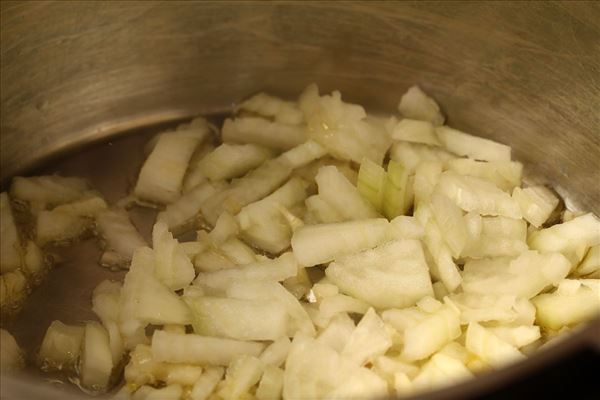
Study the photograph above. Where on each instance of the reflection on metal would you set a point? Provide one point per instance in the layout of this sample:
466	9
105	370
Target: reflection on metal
523	74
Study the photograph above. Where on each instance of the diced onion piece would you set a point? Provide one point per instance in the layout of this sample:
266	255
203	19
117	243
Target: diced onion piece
145	299
401	384
478	195
96	360
525	312
322	210
262	223
48	191
105	303
194	176
318	244
13	291
450	220
337	332
427	175
412	130
263	132
536	202
172	266
429	305
457	351
252	187
277	269
11	356
571	238
243	373
394	274
504	174
238	319
170	392
312	369
518	336
225	228
207	382
417	105
568	215
591	262
89	207
200	350
271	384
310	170
302	154
474	147
404	227
361	383
179	214
61	346
10	257
161	177
211	260
371	180
442	266
299	285
568	306
342	127
441	370
232	160
68	221
335	189
275	293
474	223
276	353
387	365
337	304
369	339
489	347
524	276
34	263
237	251
292	220
431	334
121	236
499	236
143	369
439	290
412	154
280	110
503	309
395	190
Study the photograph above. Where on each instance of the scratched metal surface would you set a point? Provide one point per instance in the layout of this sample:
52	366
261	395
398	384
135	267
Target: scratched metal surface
74	73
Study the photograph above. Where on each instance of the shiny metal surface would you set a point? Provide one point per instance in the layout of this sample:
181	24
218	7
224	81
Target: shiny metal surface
524	74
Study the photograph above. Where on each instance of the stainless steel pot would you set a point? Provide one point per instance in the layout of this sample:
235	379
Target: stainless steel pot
525	74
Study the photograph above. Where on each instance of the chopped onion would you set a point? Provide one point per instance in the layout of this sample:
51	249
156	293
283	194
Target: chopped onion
161	177
10	257
391	275
286	112
474	147
467	271
121	236
61	346
11	356
263	132
416	104
200	350
233	160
